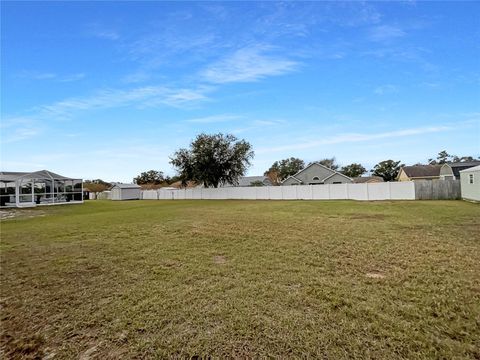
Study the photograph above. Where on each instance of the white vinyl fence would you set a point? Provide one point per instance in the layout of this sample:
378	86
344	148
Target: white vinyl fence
373	191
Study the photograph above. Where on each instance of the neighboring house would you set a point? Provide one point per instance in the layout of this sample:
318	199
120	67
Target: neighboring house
450	171
24	189
250	181
316	174
125	191
367	179
470	183
419	172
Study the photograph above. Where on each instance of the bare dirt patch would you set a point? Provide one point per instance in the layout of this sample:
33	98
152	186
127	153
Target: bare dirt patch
219	259
19	213
367	216
375	275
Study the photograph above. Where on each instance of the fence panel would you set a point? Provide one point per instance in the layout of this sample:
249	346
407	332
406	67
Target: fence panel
320	192
337	191
305	192
357	191
378	191
275	192
437	189
149	195
262	192
289	192
402	190
424	189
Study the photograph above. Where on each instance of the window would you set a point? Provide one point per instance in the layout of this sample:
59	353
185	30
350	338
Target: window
337	182
470	178
315	178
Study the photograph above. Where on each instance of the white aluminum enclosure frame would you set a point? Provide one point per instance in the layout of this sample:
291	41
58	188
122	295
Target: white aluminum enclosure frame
39	188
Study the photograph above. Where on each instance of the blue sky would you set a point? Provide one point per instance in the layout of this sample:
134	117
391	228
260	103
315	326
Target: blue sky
110	89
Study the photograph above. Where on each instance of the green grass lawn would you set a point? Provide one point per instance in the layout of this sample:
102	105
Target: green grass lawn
162	279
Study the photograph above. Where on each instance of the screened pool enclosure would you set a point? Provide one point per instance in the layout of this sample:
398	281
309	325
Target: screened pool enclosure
21	189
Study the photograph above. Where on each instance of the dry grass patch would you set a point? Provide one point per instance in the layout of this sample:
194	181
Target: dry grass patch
163	279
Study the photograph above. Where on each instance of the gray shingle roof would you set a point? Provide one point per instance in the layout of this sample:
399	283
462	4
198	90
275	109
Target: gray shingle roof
416	171
364	179
459	166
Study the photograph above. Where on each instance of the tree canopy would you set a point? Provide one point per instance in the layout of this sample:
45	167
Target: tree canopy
387	169
282	169
328	162
213	160
149	177
353	170
444	157
97	185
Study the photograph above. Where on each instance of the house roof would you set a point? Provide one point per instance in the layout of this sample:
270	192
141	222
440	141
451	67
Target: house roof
317	163
418	171
293	177
475	168
464	164
248	180
459	166
365	179
42	174
125	186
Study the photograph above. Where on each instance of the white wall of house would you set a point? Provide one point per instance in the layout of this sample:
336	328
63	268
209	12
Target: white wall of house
470	183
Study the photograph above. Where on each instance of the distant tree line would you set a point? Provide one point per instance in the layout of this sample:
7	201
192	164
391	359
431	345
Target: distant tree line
387	169
443	157
154	177
214	160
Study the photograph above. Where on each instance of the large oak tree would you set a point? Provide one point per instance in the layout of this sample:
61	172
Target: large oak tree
149	177
213	160
353	170
282	169
387	169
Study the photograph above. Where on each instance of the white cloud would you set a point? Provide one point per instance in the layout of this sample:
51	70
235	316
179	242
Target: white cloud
248	64
72	77
25	127
385	89
36	75
355	137
385	33
19	128
102	32
107	34
214	119
147	96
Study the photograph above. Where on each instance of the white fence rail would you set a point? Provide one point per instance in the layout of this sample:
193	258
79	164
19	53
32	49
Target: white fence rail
373	191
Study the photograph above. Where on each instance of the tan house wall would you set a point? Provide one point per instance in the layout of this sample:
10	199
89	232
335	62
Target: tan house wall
402	176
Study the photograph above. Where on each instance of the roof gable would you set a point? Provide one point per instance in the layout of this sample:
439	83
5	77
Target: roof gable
330	171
